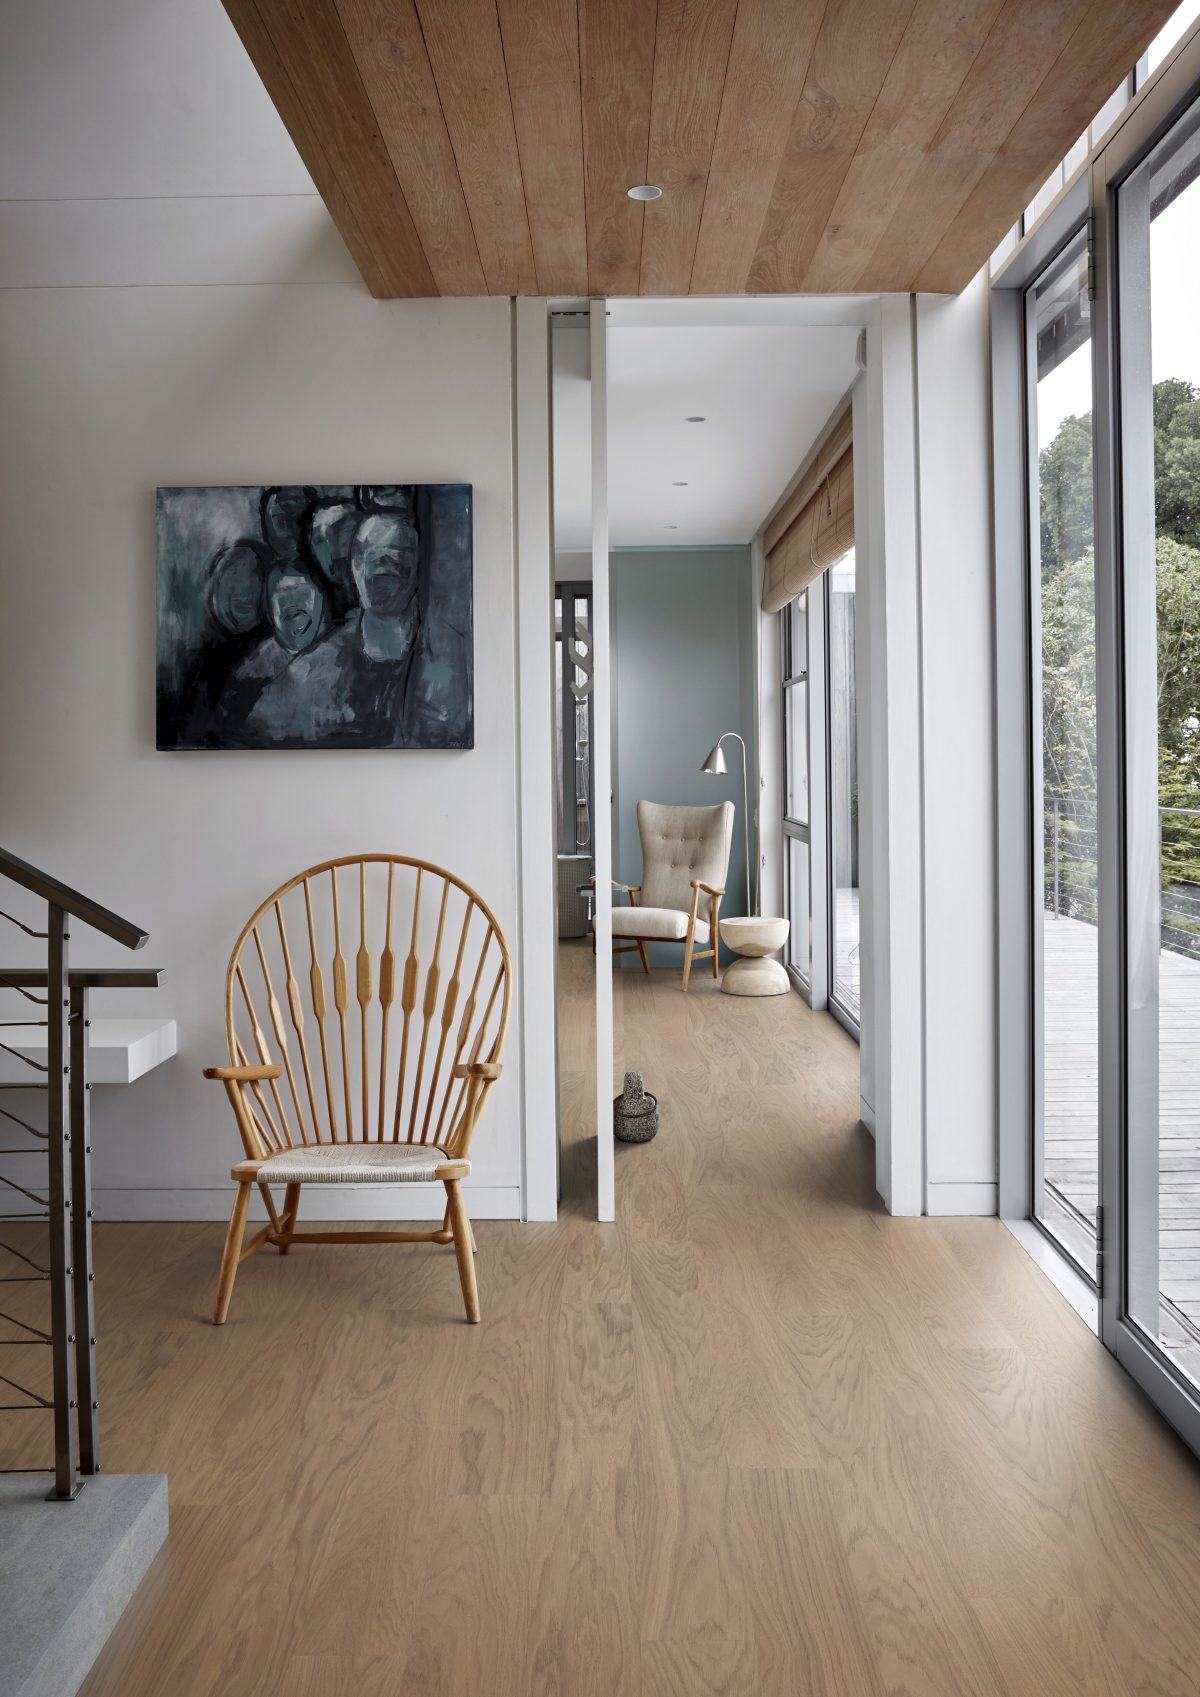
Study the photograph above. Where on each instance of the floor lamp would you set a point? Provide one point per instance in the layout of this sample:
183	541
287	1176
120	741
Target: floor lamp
753	938
715	763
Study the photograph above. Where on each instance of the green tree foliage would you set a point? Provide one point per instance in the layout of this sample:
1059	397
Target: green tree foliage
1069	653
1065	476
1177	460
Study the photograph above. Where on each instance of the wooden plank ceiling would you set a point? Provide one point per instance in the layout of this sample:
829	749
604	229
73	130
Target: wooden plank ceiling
470	147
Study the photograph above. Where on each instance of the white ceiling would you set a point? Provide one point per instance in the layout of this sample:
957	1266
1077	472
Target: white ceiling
103	99
765	390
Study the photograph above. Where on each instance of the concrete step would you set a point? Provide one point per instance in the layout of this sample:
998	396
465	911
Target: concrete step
67	1571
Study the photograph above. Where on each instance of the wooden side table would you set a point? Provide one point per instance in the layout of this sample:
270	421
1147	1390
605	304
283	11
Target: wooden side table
755	940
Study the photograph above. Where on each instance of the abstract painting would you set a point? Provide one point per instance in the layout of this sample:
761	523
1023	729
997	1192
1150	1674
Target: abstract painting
315	617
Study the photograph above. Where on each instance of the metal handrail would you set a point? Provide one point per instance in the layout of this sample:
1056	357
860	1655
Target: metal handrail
66	1205
79	906
83	978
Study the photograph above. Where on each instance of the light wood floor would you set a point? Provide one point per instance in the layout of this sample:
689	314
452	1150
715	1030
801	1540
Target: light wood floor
756	1438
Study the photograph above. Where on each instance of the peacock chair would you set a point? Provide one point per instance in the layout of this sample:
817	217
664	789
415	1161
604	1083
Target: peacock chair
366	1005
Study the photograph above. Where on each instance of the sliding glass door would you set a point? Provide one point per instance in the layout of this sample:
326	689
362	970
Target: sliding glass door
843	790
820	828
1155	214
799	721
1096	424
1063	763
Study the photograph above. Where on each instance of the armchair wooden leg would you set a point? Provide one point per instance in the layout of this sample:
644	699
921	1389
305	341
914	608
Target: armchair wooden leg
690	942
687	959
645	957
233	1251
291	1212
463	1246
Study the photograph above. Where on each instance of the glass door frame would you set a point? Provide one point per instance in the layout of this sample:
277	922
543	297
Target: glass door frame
1075	230
813	675
809	675
1090	201
1123	914
844	1014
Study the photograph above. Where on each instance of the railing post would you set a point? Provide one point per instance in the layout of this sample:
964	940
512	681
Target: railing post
1057	894
81	1233
58	1097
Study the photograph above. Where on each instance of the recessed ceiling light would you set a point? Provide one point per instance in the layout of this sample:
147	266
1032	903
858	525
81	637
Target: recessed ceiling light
644	191
679	486
696	418
670	527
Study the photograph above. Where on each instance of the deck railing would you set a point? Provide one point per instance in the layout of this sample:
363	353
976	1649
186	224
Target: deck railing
1070	868
62	1200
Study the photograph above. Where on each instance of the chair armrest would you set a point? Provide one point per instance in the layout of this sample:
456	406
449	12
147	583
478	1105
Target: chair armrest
243	1075
487	1070
709	889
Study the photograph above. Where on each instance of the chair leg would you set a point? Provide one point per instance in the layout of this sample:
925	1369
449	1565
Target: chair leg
687	964
291	1211
463	1244
645	957
233	1250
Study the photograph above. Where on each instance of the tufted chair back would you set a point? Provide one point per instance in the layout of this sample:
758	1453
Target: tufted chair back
679	844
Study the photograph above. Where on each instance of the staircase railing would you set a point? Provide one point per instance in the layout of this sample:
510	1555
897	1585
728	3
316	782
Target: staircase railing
63	1202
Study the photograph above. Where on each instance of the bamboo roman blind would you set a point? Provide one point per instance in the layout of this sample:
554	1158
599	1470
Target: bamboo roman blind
815	526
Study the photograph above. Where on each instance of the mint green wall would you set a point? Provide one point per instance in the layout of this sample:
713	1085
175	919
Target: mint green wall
683	661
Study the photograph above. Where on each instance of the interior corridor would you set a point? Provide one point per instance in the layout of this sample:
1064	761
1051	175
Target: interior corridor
757	1437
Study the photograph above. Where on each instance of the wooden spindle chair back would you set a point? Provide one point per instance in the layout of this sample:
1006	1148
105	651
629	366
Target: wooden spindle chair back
366	1001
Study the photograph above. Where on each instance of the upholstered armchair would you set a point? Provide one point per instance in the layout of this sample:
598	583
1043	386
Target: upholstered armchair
685	858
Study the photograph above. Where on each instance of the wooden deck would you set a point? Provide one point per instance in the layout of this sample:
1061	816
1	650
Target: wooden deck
1071	978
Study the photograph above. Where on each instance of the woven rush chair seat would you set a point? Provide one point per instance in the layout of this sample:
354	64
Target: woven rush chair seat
366	1007
361	1163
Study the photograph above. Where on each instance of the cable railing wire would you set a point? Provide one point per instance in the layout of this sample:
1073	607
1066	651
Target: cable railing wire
1071	868
58	1208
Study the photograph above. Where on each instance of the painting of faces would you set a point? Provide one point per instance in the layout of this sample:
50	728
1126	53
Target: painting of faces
315	617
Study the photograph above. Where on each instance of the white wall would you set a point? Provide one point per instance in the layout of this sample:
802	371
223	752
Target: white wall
955	452
222	339
683	655
925	660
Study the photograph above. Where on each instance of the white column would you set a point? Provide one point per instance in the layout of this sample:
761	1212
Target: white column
537	949
892	868
602	768
954	457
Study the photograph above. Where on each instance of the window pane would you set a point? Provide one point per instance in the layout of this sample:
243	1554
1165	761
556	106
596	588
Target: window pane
1075	157
843	786
798	613
1066	1064
799	907
1160	412
1043	197
1175	27
1108	114
796	720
